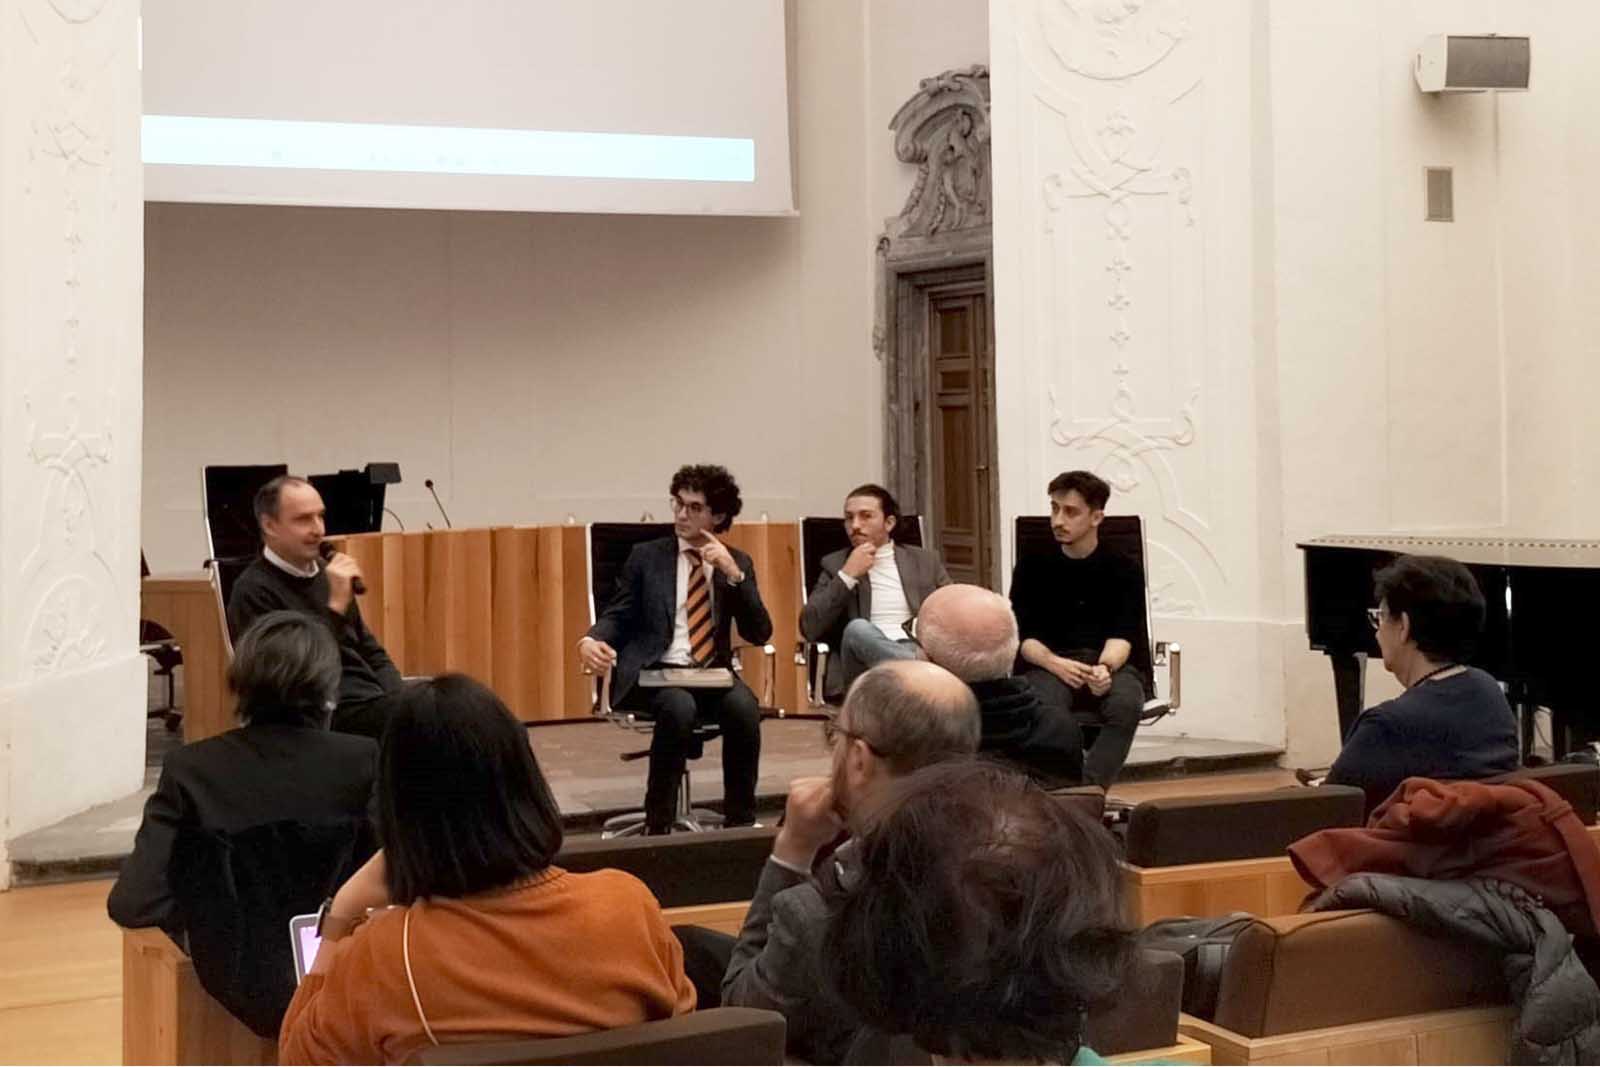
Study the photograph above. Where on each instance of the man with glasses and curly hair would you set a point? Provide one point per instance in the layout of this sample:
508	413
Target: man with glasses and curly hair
898	717
675	606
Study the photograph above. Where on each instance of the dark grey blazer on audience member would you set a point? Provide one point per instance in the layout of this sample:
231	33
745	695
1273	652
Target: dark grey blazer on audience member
832	604
774	963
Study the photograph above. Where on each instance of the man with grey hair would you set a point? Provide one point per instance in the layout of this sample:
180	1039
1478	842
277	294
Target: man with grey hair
898	717
972	633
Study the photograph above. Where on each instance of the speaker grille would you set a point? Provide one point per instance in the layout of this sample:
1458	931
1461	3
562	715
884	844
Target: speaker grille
1488	62
1441	199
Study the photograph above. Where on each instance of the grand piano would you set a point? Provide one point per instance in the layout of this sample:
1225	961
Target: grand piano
1543	623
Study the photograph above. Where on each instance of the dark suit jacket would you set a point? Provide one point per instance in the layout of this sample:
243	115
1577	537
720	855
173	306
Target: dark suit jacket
639	618
832	604
232	783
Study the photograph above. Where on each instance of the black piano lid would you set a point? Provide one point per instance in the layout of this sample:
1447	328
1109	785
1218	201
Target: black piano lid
1488	550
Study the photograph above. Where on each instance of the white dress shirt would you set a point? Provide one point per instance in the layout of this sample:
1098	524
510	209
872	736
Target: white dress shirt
308	571
890	609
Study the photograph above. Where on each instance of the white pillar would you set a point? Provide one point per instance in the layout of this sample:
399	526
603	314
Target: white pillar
71	354
1132	283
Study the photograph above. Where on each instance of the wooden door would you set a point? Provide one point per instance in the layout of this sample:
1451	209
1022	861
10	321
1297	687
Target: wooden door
961	406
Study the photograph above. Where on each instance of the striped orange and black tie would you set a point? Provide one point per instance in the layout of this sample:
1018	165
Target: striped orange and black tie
697	606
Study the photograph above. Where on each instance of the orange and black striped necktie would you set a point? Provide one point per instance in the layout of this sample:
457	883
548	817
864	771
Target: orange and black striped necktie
697	606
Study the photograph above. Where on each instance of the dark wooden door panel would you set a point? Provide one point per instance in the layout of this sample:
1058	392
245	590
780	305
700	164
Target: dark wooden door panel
958	362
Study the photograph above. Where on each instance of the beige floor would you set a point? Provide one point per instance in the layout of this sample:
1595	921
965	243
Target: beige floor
60	976
61	962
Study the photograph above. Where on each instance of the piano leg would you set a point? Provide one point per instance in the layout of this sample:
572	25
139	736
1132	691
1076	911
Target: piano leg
1349	687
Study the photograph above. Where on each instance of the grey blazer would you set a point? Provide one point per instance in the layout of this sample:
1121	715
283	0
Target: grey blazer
832	604
774	962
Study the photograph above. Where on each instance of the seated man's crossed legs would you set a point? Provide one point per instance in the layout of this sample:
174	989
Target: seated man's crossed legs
864	646
1114	713
675	712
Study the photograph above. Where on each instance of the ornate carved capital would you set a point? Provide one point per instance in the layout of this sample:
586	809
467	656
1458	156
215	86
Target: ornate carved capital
944	130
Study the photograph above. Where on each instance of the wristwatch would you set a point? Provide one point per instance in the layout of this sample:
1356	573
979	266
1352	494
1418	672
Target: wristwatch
335	925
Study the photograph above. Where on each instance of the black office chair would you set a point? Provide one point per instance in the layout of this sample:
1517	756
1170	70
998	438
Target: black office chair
233	537
163	649
820	535
609	544
1123	534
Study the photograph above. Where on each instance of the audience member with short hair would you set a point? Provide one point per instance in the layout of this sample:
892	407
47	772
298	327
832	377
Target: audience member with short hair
1453	720
868	595
290	575
983	919
972	633
473	931
1080	612
280	775
898	716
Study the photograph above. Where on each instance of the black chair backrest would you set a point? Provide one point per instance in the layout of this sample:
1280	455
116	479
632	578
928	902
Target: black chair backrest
820	535
1122	534
1171	831
236	893
609	546
232	534
718	1036
680	870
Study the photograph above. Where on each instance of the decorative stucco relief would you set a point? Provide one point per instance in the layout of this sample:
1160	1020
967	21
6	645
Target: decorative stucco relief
68	340
1118	317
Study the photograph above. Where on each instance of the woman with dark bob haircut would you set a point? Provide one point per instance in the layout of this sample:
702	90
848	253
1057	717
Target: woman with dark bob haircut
461	927
984	920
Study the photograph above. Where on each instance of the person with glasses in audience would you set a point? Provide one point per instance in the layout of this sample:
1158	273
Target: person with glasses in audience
1452	721
983	920
868	595
897	717
675	605
462	928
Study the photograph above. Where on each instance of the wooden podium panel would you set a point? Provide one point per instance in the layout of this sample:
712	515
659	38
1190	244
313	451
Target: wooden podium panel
508	605
167	1017
187	607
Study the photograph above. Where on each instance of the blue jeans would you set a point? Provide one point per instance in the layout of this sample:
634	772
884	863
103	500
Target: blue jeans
864	645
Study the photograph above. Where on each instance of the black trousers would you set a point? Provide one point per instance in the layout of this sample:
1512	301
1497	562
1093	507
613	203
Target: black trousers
1115	715
675	712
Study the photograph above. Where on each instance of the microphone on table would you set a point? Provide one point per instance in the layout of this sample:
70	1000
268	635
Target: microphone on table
327	552
429	483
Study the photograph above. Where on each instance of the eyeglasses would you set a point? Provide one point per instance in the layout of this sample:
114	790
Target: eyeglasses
694	507
832	731
1375	617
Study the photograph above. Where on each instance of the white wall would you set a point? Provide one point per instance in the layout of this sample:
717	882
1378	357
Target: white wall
1359	370
71	678
533	365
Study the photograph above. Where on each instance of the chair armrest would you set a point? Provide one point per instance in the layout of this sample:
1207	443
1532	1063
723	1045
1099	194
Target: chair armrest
1169	654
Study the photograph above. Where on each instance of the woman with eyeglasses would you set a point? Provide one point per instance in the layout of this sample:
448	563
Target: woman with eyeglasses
1453	721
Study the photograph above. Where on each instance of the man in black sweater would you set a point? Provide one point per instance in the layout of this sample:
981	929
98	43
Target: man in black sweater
972	633
1078	612
290	575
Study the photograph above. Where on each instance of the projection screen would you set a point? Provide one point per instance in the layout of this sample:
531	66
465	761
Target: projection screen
640	106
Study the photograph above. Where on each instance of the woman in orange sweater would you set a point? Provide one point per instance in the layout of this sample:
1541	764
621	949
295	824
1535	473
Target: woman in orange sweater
461	928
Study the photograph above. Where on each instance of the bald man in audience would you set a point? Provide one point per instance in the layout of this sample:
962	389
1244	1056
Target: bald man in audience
898	717
972	633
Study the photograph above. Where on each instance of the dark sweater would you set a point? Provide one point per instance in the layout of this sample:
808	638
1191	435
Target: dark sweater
1452	728
367	674
1018	728
1077	604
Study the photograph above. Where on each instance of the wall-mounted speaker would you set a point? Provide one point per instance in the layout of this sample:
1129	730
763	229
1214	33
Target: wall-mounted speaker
1462	63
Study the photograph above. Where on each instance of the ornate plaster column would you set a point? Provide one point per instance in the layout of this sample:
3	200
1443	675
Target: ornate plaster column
71	354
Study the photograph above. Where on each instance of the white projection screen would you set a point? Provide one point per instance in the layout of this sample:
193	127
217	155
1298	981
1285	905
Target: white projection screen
638	106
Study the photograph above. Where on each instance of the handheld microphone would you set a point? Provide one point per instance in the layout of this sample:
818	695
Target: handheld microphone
429	483
327	552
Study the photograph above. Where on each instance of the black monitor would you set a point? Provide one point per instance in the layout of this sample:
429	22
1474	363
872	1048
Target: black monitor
354	498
